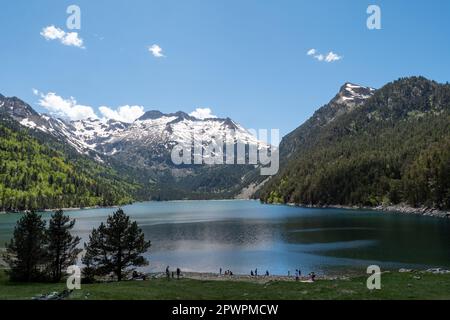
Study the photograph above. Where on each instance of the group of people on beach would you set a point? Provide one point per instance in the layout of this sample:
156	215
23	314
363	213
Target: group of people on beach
298	274
255	273
168	273
226	273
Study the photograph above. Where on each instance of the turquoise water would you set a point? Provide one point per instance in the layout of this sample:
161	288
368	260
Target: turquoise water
204	236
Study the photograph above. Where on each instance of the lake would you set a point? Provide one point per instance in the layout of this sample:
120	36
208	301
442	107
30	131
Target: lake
204	236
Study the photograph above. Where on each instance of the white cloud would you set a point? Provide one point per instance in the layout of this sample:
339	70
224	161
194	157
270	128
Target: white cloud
72	39
66	38
319	57
156	51
124	113
329	57
64	108
70	110
52	33
202	113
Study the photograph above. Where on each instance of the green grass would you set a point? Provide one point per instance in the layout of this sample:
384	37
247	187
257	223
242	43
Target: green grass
394	286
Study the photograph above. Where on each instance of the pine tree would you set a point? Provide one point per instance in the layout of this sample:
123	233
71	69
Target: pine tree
116	247
26	252
62	246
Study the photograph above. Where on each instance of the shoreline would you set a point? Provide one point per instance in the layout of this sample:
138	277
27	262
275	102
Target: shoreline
210	276
402	209
427	212
263	279
63	209
121	206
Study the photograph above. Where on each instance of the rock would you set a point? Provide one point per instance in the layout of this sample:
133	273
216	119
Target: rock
54	295
437	271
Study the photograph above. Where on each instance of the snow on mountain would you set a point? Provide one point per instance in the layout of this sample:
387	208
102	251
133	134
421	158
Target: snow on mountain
94	131
352	94
28	117
158	131
349	97
154	132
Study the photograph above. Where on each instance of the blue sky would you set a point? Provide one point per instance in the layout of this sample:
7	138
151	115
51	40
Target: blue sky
243	59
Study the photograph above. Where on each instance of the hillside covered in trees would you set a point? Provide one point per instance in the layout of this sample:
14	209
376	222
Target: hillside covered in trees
37	172
392	149
364	148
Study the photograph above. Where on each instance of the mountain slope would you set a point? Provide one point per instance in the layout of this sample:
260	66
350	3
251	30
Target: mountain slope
36	172
393	148
24	114
349	98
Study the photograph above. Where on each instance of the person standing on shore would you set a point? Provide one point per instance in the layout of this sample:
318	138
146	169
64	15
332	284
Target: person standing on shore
178	273
168	273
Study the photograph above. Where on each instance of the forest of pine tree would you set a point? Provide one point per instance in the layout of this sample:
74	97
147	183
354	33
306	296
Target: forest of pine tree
34	176
395	149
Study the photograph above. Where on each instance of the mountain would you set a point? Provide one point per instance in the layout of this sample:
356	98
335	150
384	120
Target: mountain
28	117
39	172
349	98
387	146
142	149
147	143
156	133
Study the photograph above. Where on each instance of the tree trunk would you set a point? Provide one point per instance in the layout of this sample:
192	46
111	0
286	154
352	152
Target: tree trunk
119	273
119	266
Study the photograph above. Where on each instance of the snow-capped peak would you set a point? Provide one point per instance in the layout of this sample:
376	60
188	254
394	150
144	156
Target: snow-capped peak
354	94
154	132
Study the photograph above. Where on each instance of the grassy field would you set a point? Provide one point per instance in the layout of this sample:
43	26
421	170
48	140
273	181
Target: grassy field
394	286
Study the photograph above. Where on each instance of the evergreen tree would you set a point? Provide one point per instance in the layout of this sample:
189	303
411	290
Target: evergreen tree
26	253
62	246
116	247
